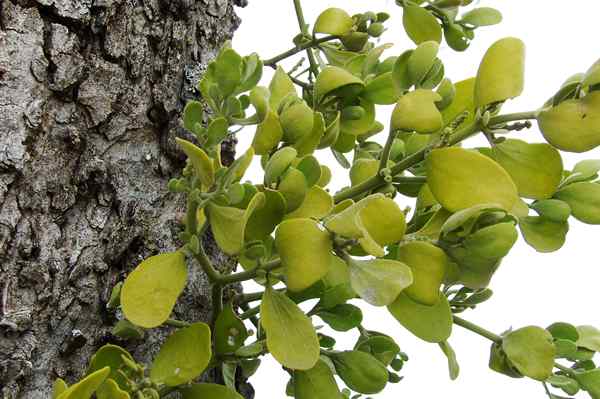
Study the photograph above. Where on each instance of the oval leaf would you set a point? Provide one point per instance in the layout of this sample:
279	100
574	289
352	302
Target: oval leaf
531	351
379	281
430	323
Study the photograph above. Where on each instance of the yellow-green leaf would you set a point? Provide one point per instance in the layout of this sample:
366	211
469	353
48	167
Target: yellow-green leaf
305	251
542	234
316	383
334	81
85	388
112	391
228	224
531	351
416	111
297	121
203	165
376	221
268	134
428	264
294	187
358	127
183	356
333	21
536	169
379	281
460	179
291	337
281	86
363	169
151	290
463	101
584	200
59	387
109	356
263	220
430	323
278	164
573	125
420	25
209	391
381	90
501	72
316	205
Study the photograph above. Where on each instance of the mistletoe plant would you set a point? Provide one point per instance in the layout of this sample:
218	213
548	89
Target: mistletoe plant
290	234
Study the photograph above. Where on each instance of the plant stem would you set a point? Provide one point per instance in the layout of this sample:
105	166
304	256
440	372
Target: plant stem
564	369
212	273
477	329
177	323
410	179
272	62
518	116
385	154
250	313
249	274
217	301
303	28
460	135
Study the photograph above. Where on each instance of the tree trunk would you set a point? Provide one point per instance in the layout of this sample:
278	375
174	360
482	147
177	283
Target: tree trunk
91	93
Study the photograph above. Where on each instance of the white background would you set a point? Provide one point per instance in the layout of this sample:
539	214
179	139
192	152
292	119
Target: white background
562	37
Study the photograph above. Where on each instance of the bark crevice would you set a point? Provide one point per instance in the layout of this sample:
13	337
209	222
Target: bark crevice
90	99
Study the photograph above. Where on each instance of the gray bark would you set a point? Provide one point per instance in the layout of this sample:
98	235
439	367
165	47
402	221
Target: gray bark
91	93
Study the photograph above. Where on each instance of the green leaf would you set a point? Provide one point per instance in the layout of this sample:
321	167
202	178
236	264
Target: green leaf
278	164
109	356
453	367
542	234
152	288
583	171
333	21
183	356
536	169
430	323
280	87
291	337
268	134
252	71
563	331
554	210
589	338
193	115
308	143
336	81
381	90
482	16
294	188
112	391
316	383
363	169
217	131
316	205
343	317
381	347
421	61
460	179
400	76
85	388
209	391
531	351
309	166
228	224
230	332
428	264
501	73
420	25
263	220
584	200
565	383
228	71
362	126
203	165
379	281
376	221
416	111
59	387
360	371
463	101
297	122
305	251
590	382
573	125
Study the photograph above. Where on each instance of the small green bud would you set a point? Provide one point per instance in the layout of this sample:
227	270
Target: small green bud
126	330
376	29
485	118
394	378
353	113
172	186
397	364
382	16
115	296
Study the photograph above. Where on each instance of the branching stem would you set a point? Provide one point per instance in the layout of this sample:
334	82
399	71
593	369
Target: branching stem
272	62
303	28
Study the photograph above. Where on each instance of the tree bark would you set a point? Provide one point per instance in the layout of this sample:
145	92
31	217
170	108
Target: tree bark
91	93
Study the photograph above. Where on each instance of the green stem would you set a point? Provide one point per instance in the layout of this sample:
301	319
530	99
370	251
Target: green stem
564	369
477	329
303	28
300	83
250	313
217	301
518	116
410	179
207	266
249	274
272	62
385	154
177	323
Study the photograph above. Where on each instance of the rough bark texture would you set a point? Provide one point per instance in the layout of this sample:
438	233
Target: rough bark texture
90	98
